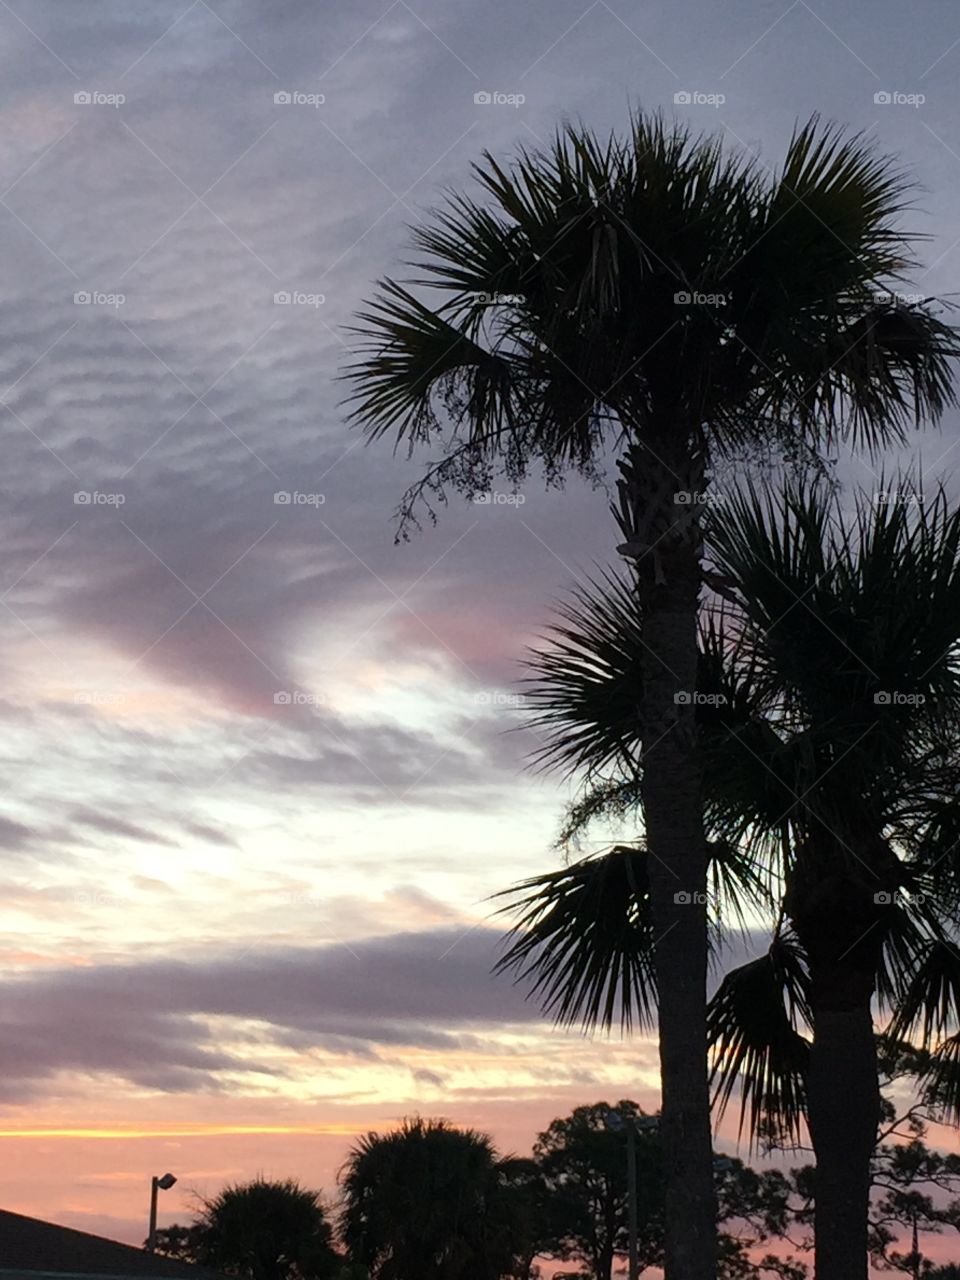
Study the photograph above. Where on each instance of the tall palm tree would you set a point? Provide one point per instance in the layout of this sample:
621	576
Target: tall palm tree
655	299
829	711
429	1201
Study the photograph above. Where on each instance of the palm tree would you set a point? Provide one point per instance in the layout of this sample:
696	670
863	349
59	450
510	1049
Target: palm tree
266	1231
860	686
828	700
656	299
429	1201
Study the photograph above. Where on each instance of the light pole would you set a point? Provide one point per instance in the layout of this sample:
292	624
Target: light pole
617	1122
634	1269
156	1184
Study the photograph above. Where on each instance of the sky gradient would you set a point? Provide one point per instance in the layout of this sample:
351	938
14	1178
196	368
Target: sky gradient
261	778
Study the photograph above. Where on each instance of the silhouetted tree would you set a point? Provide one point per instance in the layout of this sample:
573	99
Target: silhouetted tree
177	1241
584	1166
584	1163
429	1201
830	734
263	1230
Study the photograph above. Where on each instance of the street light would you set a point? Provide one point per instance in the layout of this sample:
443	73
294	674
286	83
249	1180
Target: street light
616	1122
157	1184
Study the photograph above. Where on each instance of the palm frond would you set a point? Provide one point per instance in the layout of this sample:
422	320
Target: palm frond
752	1028
584	941
738	886
932	835
869	688
929	1004
585	689
414	357
849	355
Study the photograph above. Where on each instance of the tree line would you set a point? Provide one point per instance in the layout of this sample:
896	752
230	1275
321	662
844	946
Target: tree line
432	1201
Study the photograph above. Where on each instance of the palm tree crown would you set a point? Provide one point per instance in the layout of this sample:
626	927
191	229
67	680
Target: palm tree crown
429	1201
266	1231
828	706
604	284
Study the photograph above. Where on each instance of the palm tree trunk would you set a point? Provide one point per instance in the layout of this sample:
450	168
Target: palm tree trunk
833	906
662	538
844	1112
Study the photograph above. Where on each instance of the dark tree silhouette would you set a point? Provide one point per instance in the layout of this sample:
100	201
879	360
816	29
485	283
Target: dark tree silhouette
429	1201
829	713
261	1230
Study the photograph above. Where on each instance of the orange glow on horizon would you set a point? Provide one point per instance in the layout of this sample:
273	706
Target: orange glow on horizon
190	1131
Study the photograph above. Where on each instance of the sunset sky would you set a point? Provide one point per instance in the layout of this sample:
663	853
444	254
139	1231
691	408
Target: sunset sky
259	784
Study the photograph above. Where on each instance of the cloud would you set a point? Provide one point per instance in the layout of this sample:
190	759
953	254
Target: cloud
203	831
15	837
423	1076
153	1023
114	826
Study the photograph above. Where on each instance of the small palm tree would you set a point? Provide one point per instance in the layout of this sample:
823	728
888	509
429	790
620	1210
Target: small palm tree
829	711
430	1201
266	1231
657	300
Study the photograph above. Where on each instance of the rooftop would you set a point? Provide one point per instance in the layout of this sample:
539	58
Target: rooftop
31	1249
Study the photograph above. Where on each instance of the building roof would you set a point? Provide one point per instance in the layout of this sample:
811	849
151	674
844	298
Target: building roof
31	1248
